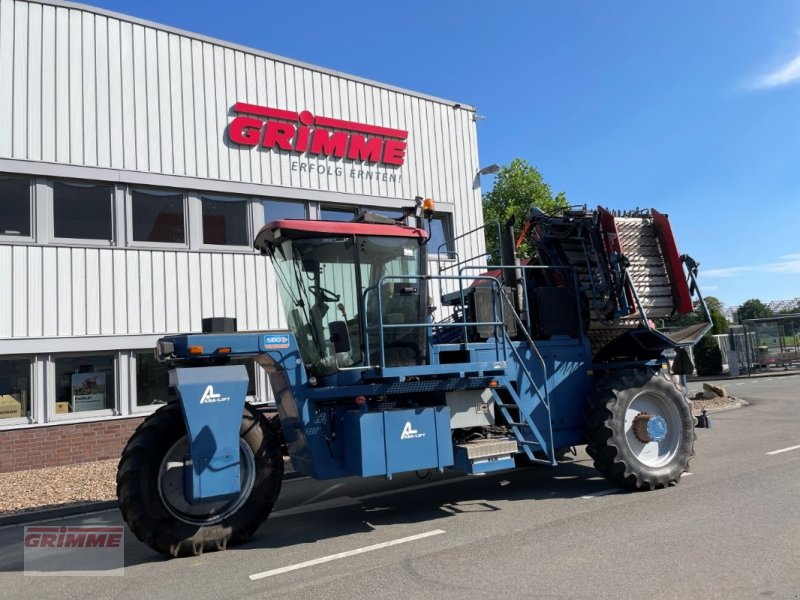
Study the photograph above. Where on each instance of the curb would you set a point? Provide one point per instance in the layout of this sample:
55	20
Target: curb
56	513
752	377
73	510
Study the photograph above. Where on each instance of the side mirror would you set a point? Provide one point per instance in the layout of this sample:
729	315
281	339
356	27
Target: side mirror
340	336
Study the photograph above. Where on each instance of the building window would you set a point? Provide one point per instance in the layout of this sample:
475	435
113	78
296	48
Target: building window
15	388
82	211
152	380
15	207
250	365
225	222
337	213
275	210
84	383
397	214
441	240
158	217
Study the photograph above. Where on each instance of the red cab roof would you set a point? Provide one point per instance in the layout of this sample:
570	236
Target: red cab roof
290	228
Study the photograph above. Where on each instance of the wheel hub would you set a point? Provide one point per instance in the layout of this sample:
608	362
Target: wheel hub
649	428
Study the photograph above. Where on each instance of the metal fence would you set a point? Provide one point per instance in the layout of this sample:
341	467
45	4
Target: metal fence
762	344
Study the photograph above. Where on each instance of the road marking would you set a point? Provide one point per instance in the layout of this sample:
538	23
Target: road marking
783	450
603	493
324	559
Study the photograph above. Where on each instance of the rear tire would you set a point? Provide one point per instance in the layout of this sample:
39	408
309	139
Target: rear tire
159	516
618	450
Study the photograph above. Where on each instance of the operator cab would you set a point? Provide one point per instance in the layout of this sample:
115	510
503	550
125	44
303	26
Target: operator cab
338	281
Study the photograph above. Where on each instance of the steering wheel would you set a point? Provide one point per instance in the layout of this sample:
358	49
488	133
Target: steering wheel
324	294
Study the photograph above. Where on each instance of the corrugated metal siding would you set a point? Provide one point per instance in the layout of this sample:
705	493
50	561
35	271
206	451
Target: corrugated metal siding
104	291
84	89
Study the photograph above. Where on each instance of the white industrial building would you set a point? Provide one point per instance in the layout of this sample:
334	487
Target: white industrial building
137	162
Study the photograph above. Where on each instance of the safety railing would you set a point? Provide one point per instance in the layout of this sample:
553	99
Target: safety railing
497	322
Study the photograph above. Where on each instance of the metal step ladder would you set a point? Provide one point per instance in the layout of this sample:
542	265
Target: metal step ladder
526	411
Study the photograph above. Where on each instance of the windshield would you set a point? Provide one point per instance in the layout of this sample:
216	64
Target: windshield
322	285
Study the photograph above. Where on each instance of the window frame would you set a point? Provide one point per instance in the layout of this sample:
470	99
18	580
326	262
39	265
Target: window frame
450	254
31	237
32	418
113	241
133	394
132	243
249	220
342	208
52	394
264	201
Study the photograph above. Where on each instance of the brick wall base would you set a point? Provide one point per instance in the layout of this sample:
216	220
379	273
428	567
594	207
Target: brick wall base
67	444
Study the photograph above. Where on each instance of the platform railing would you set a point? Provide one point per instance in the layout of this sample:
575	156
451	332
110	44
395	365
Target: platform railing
497	322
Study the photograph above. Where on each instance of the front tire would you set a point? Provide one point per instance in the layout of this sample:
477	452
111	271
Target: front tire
149	486
640	430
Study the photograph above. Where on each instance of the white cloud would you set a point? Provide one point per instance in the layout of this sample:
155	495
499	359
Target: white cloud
788	263
786	74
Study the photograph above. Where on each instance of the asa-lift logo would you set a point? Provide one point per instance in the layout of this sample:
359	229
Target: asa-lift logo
211	397
303	132
409	433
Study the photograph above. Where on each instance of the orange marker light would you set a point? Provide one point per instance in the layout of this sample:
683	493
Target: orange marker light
428	206
195	349
492	384
225	350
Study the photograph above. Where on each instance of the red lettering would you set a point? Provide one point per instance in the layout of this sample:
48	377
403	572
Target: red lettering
394	152
245	130
357	141
73	540
362	148
328	143
301	145
280	134
94	540
114	540
32	540
48	540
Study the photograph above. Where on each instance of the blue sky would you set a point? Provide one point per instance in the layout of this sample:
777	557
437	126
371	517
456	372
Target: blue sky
689	107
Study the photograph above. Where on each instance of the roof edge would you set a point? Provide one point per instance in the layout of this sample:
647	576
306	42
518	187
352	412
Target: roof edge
255	51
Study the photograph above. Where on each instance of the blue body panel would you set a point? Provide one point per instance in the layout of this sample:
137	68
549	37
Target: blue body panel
395	441
328	436
213	400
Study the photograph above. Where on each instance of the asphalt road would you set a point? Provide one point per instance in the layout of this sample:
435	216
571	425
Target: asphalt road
730	530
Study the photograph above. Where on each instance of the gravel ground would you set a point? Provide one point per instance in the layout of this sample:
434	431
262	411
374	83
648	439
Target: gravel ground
36	489
57	486
712	404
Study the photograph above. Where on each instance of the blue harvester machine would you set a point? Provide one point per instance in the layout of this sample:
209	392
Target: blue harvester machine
377	374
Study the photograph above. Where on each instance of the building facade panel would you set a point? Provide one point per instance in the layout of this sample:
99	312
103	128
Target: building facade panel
128	96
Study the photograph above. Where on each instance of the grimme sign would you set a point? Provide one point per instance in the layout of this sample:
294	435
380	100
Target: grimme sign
302	132
74	550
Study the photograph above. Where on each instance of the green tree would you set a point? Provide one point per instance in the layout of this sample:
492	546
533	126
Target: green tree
517	187
717	311
707	356
754	309
714	303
